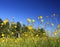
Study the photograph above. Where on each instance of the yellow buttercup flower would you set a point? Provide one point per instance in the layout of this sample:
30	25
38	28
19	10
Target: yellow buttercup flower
40	17
37	35
12	33
30	27
3	35
29	20
2	24
15	26
5	21
44	33
55	33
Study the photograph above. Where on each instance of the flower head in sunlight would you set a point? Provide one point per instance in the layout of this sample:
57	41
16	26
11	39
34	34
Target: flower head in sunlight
12	33
15	26
52	24
5	21
33	20
29	20
2	23
55	33
40	17
2	34
30	27
37	35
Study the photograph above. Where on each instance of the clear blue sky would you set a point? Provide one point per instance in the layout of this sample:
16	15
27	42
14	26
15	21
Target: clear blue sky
23	9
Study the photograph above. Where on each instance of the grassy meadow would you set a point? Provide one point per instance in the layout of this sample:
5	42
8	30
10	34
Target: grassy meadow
15	35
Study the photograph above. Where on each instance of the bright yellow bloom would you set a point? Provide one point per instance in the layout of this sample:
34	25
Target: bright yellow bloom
2	24
3	35
15	26
30	27
5	21
40	17
44	33
29	20
55	33
12	33
37	35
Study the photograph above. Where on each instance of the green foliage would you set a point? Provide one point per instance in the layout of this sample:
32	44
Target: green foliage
17	30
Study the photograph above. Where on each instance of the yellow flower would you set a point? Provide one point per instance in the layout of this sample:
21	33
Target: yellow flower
15	26
33	20
55	33
40	17
12	33
2	24
37	35
29	20
44	33
3	35
5	21
30	27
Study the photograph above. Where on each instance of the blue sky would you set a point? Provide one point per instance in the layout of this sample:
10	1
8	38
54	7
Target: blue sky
23	9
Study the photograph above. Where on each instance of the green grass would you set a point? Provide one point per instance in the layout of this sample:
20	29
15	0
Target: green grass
30	42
